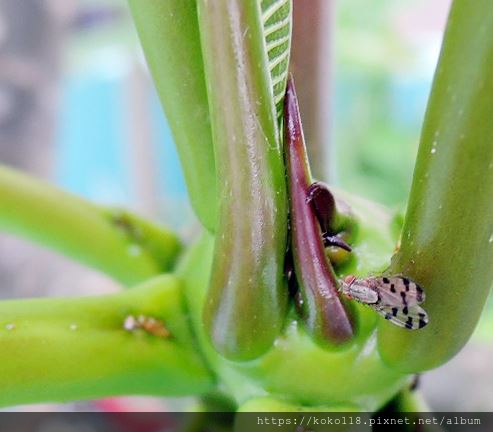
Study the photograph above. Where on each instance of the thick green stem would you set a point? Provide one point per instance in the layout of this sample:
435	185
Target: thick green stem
169	34
356	375
447	239
115	242
247	274
69	349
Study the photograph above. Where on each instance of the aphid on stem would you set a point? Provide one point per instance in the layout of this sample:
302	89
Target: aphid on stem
150	325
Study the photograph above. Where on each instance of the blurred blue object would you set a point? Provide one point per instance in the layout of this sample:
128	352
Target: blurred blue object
93	158
90	160
114	145
409	96
171	180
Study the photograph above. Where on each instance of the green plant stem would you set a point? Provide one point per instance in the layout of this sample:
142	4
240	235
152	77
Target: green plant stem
287	413
168	31
356	376
447	239
117	243
248	270
69	349
269	404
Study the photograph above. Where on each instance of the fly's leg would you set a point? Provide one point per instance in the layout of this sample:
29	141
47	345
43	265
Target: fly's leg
335	241
323	203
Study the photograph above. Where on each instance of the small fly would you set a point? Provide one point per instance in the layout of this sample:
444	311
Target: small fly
396	298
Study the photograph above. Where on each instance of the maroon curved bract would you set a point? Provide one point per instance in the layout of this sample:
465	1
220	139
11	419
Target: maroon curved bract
325	315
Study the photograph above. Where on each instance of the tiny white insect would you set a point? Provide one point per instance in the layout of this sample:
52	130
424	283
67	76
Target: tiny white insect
395	297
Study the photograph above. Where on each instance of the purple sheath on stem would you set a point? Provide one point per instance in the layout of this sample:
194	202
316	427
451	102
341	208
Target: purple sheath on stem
326	317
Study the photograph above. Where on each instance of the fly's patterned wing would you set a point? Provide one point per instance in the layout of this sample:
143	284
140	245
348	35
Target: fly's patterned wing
410	317
397	291
396	298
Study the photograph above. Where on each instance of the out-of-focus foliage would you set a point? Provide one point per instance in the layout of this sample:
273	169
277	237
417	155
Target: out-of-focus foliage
385	56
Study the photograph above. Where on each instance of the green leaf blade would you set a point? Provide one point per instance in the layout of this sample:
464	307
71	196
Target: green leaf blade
277	24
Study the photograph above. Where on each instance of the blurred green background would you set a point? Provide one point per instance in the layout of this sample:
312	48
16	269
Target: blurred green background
385	56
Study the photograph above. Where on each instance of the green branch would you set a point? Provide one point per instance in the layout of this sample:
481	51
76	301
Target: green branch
355	376
115	242
247	273
168	31
447	239
70	349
